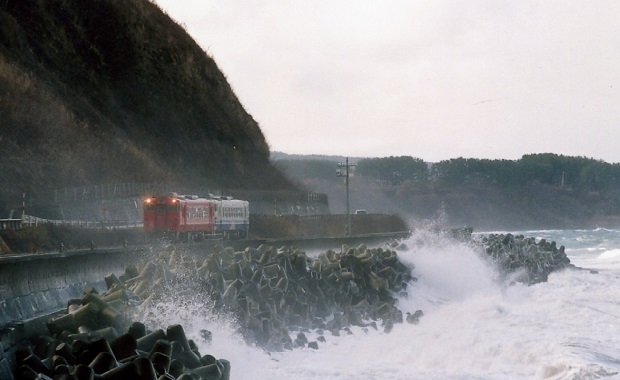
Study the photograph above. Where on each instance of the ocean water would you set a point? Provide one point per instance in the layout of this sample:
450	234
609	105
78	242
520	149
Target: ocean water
476	324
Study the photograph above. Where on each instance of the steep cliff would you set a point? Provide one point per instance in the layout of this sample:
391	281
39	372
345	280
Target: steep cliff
104	91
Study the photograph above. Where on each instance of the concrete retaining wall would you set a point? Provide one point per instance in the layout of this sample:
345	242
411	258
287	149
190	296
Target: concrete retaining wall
32	287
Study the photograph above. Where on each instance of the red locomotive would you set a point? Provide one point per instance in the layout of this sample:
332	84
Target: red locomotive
193	216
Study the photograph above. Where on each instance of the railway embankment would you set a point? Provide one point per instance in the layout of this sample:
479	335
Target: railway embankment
44	266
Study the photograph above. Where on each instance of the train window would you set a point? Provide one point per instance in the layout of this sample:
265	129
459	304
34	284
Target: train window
161	209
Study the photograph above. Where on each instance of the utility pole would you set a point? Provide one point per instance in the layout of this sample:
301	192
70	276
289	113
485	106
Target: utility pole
345	174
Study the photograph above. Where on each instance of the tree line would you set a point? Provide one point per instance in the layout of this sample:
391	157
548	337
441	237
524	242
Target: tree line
569	172
575	173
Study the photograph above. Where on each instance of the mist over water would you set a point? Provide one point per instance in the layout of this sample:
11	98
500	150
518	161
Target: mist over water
475	324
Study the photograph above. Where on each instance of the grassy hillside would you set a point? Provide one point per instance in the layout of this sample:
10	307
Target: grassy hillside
114	90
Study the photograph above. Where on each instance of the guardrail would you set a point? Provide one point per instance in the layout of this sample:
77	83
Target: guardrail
10	224
33	221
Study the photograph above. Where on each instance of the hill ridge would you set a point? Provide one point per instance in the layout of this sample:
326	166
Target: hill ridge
113	90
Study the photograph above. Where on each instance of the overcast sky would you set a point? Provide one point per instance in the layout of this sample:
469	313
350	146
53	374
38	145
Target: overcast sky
430	79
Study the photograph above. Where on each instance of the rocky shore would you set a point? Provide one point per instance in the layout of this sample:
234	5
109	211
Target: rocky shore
275	296
523	257
273	291
95	339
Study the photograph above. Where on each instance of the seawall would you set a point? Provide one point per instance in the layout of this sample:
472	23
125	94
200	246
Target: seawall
33	287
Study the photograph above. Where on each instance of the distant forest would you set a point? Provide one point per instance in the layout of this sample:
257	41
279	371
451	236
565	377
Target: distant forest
575	173
536	191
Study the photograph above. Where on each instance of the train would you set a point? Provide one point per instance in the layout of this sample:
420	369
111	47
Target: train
192	216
